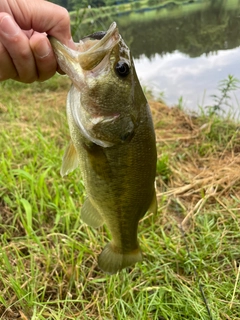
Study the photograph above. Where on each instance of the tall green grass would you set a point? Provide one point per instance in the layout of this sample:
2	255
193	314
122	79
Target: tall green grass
48	267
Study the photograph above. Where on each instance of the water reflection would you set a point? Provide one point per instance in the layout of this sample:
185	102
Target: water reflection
194	79
181	50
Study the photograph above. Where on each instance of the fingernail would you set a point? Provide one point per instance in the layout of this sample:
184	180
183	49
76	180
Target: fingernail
8	26
42	49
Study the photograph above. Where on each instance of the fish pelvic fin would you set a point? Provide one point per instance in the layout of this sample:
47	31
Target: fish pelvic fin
90	215
70	160
111	261
154	205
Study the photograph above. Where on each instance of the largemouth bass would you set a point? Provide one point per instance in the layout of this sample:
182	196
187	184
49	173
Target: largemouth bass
112	141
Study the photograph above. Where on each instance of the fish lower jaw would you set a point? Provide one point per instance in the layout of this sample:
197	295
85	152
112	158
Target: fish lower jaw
111	260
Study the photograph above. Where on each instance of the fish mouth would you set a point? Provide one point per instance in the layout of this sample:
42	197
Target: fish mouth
96	35
95	47
89	53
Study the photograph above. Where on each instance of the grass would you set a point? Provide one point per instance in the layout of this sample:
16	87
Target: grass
48	267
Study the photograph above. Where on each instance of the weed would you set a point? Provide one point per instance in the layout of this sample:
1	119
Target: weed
163	167
223	99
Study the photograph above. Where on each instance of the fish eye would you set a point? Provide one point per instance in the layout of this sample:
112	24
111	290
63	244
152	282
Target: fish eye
122	69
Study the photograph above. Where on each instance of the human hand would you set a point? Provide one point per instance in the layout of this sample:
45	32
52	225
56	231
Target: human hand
25	51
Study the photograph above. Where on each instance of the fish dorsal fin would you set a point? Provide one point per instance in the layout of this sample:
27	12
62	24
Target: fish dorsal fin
90	215
70	160
154	205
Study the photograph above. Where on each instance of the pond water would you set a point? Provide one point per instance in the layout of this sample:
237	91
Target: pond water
181	50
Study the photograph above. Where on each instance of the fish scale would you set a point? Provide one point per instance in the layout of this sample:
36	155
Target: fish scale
112	141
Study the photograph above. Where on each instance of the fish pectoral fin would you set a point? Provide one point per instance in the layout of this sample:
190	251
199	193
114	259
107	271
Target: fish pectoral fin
111	261
154	205
90	215
70	160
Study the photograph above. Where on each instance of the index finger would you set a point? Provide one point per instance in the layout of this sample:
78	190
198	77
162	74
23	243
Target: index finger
43	16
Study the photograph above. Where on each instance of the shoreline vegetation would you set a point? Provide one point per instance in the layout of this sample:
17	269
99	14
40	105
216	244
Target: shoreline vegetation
48	267
128	4
124	8
86	13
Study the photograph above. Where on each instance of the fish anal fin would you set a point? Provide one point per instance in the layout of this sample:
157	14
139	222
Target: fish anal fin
111	260
90	215
70	160
154	205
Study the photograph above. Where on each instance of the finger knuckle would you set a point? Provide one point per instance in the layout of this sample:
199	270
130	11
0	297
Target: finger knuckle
25	54
64	16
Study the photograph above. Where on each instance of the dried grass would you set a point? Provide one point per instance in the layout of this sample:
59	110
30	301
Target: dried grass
196	179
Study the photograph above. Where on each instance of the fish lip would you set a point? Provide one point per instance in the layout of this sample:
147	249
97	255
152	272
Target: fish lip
75	63
67	59
103	36
93	56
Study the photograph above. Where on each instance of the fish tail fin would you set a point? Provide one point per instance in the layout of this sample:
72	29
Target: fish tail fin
111	261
